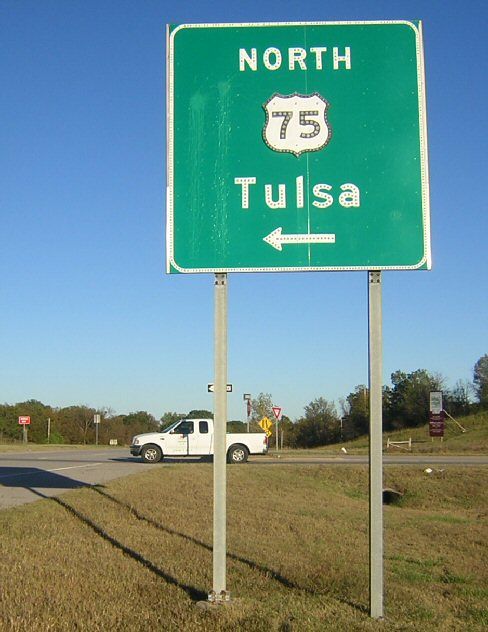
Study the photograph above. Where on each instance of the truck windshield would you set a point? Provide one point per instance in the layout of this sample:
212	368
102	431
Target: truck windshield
170	428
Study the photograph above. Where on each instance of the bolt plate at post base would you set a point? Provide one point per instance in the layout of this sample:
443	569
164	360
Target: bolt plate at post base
217	598
214	600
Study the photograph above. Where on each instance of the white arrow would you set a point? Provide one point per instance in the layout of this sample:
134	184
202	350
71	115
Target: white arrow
276	239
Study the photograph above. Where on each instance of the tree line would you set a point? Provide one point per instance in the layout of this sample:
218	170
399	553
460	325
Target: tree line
405	404
72	424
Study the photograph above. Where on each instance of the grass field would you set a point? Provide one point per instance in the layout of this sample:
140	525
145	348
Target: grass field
136	554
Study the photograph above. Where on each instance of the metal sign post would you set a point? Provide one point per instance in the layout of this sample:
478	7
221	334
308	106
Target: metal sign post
96	421
219	592
375	446
277	414
247	399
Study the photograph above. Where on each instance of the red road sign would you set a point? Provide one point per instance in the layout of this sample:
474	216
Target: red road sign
436	424
277	412
24	421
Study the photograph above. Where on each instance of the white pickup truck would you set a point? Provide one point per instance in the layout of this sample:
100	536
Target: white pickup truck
194	437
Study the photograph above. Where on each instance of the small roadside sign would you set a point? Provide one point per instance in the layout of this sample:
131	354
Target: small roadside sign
437	416
24	420
211	388
436	424
435	402
277	412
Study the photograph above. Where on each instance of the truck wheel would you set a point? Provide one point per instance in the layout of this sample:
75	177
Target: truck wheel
237	454
151	454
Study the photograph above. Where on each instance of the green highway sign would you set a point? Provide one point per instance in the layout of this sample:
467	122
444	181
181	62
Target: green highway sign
297	147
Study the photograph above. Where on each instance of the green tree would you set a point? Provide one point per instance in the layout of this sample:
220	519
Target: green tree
199	414
9	426
457	400
38	413
75	423
54	438
287	427
406	404
319	426
236	426
141	420
480	380
169	418
113	427
355	410
262	406
134	423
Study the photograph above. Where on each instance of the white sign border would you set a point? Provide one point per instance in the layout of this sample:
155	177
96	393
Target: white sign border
424	168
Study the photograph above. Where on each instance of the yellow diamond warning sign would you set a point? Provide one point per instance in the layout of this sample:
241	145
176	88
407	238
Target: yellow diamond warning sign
266	424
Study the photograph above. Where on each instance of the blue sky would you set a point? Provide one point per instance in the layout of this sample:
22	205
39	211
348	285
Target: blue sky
88	315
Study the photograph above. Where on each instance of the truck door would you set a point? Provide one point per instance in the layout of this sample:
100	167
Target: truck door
177	441
200	441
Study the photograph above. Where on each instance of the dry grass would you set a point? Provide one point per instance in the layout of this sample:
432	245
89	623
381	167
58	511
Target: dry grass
136	554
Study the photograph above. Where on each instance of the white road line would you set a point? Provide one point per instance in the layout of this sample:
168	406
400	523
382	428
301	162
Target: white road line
50	458
74	467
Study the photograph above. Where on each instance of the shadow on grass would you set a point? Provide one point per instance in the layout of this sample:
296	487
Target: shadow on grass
192	592
41	478
284	581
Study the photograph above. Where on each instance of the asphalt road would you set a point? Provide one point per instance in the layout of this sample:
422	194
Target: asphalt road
29	476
